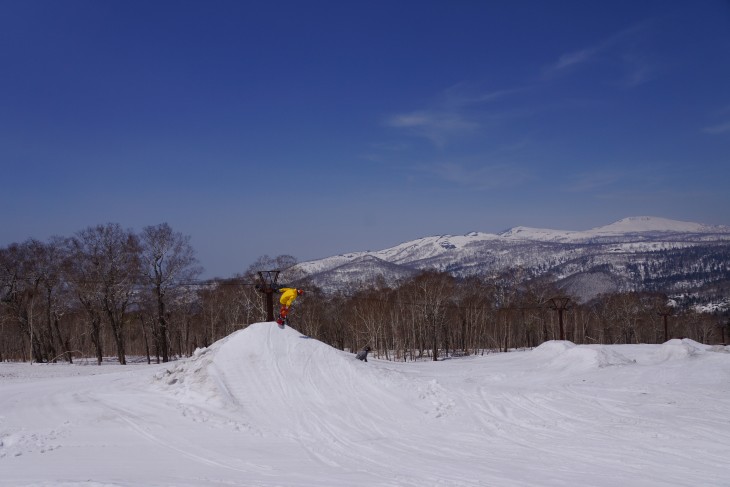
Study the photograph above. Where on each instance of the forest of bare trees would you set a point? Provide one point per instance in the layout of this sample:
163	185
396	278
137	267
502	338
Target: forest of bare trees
103	291
107	293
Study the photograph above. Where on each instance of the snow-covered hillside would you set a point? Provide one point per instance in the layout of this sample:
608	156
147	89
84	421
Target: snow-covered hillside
625	230
629	250
628	227
643	224
415	250
270	407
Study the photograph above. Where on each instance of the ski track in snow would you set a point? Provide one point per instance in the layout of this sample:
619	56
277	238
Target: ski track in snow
270	407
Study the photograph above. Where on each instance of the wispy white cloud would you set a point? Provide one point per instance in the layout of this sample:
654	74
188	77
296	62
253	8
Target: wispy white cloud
573	58
457	112
722	128
437	126
623	47
463	95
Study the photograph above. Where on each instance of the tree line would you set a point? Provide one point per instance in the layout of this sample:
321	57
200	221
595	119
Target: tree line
435	315
107	291
82	296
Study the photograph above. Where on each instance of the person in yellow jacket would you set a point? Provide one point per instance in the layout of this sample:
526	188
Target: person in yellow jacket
288	295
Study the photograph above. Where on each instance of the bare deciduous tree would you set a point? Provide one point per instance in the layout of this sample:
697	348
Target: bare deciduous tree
168	261
21	288
106	267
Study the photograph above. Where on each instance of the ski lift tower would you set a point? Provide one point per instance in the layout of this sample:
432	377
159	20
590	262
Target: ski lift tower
560	304
665	312
268	286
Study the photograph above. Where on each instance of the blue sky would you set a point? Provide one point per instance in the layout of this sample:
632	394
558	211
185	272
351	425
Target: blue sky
314	128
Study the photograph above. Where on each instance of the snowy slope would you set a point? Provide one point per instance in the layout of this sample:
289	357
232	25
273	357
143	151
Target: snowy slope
270	407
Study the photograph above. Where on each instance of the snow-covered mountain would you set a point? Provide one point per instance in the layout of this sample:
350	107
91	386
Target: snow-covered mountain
635	253
646	226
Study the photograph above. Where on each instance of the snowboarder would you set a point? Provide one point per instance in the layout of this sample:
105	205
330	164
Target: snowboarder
363	354
288	295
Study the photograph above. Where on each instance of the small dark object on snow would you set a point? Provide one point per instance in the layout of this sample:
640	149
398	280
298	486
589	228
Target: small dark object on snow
363	354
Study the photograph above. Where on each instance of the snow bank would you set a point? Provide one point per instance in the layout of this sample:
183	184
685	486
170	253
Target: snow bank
553	348
680	349
281	380
190	379
565	356
581	358
262	359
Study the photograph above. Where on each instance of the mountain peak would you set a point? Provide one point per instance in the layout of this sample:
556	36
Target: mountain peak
638	224
528	233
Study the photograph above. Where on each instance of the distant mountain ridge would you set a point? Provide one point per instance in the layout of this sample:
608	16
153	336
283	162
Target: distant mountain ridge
621	228
635	253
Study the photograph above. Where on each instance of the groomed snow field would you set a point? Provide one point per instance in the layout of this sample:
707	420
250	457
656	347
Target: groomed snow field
271	407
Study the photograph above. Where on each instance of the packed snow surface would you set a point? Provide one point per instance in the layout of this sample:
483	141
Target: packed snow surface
271	407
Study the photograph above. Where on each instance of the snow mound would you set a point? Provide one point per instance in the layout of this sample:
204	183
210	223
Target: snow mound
282	381
191	379
553	348
679	349
582	358
262	359
565	356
